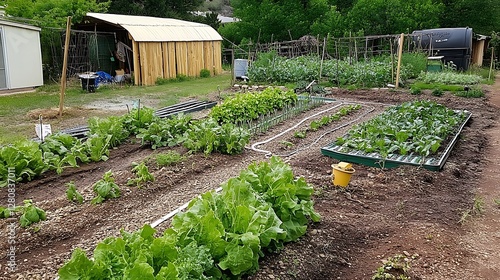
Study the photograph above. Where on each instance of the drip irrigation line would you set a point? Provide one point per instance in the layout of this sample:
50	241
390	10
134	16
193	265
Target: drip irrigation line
269	153
366	102
174	212
371	109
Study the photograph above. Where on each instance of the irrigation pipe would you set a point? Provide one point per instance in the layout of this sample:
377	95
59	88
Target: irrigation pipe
328	132
269	153
350	101
171	214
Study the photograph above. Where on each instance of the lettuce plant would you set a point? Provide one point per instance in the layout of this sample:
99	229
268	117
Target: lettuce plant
219	236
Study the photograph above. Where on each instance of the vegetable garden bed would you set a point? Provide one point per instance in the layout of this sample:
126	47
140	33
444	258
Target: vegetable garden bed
378	146
379	215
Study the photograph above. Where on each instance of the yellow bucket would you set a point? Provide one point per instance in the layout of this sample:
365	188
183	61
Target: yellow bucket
341	174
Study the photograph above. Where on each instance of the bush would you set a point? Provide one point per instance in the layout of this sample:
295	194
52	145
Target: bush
180	78
415	91
204	73
415	63
162	81
437	92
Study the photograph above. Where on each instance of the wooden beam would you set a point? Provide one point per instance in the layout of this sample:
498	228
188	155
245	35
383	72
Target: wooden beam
65	66
137	66
400	55
492	62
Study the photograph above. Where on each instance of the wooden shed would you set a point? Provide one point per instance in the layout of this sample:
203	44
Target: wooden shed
20	56
163	47
479	46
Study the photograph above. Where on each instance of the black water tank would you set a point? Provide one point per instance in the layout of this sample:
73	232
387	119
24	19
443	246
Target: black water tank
455	44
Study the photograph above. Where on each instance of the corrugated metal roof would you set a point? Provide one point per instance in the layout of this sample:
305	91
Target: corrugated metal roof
152	29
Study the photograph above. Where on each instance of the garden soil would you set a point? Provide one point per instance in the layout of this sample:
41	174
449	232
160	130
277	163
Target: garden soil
427	217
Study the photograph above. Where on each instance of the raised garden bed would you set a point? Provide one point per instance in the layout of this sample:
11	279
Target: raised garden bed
410	133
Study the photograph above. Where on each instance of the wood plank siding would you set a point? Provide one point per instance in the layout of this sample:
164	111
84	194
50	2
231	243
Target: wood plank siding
167	60
478	52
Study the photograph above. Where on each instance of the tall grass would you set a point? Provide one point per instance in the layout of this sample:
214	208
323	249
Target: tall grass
415	63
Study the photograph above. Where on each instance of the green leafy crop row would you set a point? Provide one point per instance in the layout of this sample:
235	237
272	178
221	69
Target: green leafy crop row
220	236
317	124
204	135
249	106
375	73
25	160
449	78
417	127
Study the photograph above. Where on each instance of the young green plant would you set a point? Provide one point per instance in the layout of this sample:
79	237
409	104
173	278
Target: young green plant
105	188
142	174
30	214
395	267
72	193
169	158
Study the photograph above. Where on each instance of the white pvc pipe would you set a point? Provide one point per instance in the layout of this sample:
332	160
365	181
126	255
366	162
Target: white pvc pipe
328	132
171	214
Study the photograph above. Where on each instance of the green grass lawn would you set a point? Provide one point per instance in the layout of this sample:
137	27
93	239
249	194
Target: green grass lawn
14	109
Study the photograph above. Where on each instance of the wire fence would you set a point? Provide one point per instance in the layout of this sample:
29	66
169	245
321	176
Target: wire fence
88	52
352	48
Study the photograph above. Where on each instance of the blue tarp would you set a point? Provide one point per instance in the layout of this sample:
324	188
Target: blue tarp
103	78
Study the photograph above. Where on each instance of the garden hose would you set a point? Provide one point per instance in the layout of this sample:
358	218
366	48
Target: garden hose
371	109
268	153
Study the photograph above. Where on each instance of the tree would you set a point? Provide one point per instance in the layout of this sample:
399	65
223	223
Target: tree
343	6
277	20
393	16
53	13
157	8
331	23
483	16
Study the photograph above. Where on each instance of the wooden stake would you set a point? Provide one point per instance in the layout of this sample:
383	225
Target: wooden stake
400	54
232	67
323	57
65	65
337	57
355	50
491	63
392	62
366	48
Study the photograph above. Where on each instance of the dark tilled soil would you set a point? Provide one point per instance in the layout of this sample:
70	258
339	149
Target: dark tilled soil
382	213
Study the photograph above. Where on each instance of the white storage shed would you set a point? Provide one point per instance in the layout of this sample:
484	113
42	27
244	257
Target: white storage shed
20	56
